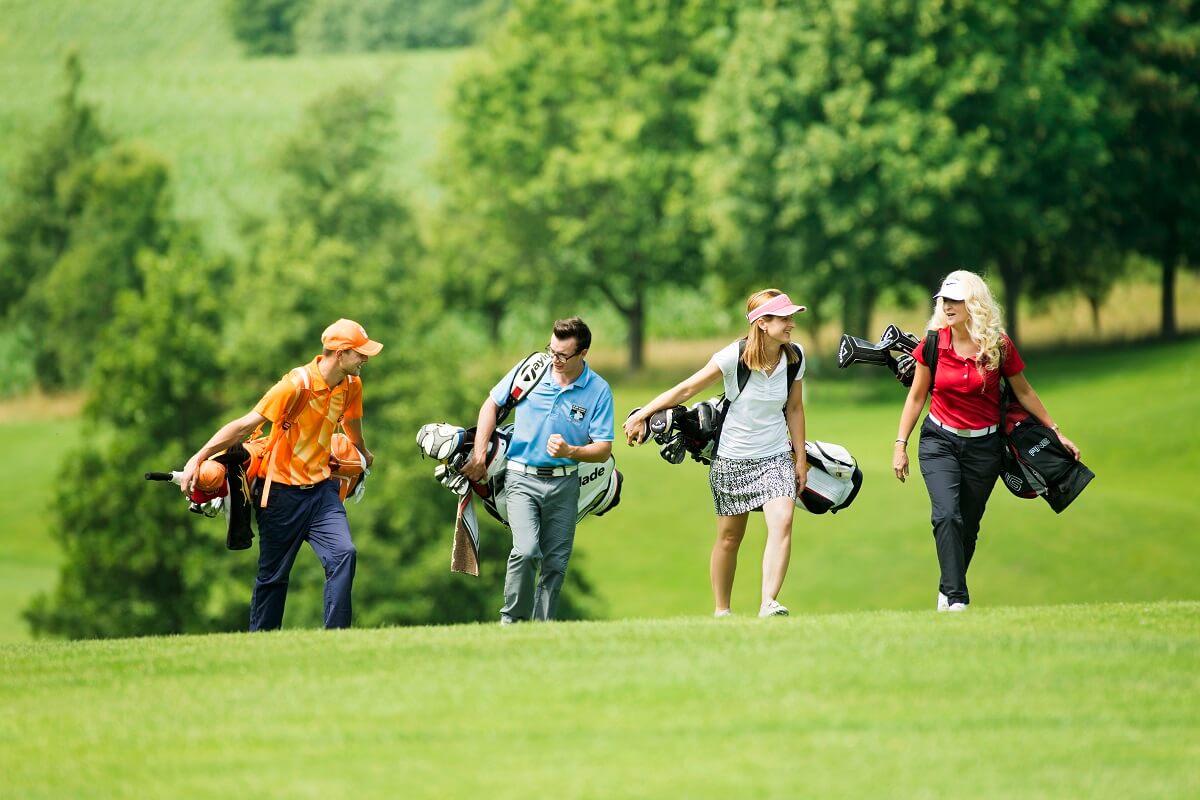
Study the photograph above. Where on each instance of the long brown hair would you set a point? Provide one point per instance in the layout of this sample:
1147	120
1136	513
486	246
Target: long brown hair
756	356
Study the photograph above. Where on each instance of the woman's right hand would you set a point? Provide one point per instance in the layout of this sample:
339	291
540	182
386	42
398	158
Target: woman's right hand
636	429
900	461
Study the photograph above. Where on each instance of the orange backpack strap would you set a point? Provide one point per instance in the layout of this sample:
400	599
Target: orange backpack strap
260	466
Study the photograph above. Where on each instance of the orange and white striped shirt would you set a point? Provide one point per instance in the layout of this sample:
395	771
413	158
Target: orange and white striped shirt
301	456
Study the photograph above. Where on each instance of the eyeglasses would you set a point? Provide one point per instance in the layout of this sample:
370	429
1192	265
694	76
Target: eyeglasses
561	356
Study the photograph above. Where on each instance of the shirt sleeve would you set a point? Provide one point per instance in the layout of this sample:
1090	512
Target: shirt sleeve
275	402
1013	363
726	359
602	427
499	393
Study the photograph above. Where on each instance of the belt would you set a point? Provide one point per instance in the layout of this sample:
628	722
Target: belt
542	472
967	433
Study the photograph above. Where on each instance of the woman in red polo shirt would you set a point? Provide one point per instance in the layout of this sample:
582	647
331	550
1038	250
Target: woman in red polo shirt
960	452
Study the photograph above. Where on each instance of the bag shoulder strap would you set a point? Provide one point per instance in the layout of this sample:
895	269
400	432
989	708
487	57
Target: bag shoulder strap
931	356
261	465
526	377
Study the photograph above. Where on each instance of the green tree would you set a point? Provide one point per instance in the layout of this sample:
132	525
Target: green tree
135	561
265	27
871	143
577	124
124	209
1149	55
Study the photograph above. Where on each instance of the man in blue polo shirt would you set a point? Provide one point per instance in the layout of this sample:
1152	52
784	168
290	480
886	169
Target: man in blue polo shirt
567	418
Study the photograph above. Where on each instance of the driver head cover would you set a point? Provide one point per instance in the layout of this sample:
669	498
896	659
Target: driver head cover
439	440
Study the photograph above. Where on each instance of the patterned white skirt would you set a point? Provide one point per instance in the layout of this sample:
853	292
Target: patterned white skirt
739	486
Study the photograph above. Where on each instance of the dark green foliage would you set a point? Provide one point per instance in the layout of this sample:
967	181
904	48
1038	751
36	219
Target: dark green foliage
875	143
135	561
349	26
1149	56
265	27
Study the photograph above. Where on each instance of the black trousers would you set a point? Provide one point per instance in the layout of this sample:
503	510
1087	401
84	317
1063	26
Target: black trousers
959	476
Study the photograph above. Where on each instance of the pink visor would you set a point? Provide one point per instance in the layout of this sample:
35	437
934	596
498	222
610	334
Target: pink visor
779	306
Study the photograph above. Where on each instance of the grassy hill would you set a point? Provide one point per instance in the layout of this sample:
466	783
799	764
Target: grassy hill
1074	701
170	74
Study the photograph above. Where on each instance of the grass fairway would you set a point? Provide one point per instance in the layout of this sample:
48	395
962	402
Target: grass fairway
1073	701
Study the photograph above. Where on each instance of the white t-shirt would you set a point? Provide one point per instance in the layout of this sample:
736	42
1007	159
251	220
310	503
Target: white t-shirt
754	426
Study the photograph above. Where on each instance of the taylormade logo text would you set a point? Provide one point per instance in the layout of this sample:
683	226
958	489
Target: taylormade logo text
598	472
1037	448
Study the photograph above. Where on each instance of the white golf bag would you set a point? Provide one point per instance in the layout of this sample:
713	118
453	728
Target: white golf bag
833	478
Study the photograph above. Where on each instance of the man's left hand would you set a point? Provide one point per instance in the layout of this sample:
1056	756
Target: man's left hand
557	446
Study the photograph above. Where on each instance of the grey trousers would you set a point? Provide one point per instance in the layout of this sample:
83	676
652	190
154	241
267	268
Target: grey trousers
541	513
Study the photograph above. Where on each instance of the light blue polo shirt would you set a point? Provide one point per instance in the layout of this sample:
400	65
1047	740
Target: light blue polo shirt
581	412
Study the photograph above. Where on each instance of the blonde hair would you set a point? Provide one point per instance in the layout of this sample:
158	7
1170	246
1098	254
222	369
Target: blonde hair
756	356
983	318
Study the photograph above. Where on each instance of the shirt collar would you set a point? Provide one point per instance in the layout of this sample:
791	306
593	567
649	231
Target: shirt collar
314	372
584	378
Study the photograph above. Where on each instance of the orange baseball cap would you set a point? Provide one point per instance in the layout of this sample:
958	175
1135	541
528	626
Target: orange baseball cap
346	334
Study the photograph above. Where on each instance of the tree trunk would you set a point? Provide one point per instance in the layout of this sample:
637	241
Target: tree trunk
635	316
1169	268
495	316
1010	274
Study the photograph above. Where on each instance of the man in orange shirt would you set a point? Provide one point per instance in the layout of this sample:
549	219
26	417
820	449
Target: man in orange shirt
300	500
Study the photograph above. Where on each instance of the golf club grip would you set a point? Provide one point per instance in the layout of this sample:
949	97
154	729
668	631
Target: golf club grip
160	476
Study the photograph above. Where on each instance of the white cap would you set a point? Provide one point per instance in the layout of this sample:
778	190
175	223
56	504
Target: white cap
951	290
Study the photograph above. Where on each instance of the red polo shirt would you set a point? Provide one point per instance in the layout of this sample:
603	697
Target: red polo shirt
961	397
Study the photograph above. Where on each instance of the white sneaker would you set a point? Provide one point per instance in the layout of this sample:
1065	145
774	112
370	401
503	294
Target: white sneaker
772	609
724	612
957	607
943	602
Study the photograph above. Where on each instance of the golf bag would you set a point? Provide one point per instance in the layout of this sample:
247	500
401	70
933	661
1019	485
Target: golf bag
236	495
834	478
1037	465
894	350
599	484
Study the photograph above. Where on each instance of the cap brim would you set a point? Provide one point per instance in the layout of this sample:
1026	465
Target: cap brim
949	296
371	348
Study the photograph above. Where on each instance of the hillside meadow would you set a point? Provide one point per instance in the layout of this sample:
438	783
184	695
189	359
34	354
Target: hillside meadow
171	75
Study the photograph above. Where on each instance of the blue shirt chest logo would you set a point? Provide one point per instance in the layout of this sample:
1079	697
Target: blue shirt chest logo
577	413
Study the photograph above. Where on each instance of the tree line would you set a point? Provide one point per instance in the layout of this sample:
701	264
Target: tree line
844	150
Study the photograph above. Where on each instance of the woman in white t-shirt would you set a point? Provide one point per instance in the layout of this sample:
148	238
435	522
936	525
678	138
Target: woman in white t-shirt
760	461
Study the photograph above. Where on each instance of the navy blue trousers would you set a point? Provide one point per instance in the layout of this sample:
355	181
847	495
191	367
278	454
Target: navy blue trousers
959	476
294	516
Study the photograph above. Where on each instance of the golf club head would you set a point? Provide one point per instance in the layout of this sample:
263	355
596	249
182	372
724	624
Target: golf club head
853	350
663	422
889	337
674	450
904	368
899	340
